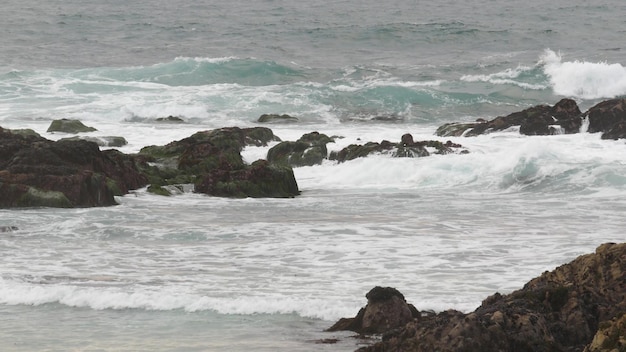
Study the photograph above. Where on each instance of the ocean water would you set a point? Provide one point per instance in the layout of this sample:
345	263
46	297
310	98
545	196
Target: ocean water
197	273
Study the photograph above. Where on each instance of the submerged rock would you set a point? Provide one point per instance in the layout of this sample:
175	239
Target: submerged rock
69	126
170	119
561	310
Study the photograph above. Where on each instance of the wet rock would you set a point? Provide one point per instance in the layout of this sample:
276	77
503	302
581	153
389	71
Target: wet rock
386	309
259	180
406	148
69	126
212	161
308	150
559	311
106	141
563	117
8	229
38	172
170	119
276	118
608	117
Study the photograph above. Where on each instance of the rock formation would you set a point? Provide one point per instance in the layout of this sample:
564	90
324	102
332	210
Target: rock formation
561	310
308	150
35	171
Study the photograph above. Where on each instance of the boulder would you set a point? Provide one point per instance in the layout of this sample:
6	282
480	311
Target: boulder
276	118
259	180
608	117
561	310
37	172
386	309
69	126
308	150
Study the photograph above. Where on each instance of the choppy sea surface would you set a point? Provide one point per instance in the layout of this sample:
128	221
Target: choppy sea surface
197	273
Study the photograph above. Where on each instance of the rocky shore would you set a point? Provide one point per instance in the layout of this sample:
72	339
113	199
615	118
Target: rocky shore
74	172
579	306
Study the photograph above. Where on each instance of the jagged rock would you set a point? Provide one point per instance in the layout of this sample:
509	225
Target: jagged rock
308	150
405	148
559	311
537	120
386	309
69	126
354	151
276	118
37	172
611	336
608	117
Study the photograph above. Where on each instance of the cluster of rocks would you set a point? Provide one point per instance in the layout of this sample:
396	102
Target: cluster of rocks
607	117
35	171
578	306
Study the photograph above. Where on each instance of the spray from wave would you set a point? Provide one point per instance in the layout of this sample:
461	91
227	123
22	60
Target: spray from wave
585	80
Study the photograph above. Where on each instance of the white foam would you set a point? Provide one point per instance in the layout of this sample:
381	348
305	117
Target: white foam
581	79
508	76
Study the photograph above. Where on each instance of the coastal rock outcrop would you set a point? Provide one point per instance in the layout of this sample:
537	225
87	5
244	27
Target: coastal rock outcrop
212	161
406	148
562	310
308	150
35	172
386	309
563	117
608	117
277	118
69	126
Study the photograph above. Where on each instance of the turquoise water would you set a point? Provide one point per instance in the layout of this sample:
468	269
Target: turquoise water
195	273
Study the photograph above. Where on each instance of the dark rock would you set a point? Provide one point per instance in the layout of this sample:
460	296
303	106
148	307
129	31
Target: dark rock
559	311
69	126
8	228
386	309
211	160
608	117
37	172
261	179
170	119
107	141
537	120
407	147
308	150
276	118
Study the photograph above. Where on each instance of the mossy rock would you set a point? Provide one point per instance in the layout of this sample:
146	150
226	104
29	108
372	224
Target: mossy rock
259	180
38	198
308	150
276	118
69	126
26	132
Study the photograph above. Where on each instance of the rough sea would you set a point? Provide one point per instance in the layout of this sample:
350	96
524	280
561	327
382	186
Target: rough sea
197	273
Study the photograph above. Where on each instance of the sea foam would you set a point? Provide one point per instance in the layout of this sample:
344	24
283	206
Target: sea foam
581	79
